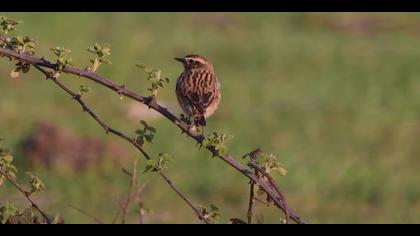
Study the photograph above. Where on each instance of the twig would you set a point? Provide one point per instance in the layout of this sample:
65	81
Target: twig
133	183
87	214
116	217
139	200
162	110
26	194
108	129
251	203
253	156
275	186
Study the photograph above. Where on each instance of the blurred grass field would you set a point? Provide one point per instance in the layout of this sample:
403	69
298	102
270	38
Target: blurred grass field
335	96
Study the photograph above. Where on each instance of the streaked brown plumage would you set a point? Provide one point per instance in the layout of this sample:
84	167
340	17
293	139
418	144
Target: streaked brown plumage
197	88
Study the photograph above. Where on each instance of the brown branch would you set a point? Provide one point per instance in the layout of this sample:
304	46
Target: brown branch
253	156
251	203
133	184
131	194
87	214
108	129
116	217
275	186
139	193
26	194
121	90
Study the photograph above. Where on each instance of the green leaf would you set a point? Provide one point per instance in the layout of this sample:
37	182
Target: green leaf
270	163
84	90
36	184
212	214
139	131
281	170
154	77
149	138
22	44
144	123
152	129
149	165
140	140
62	59
8	211
158	165
100	52
8	24
7	158
218	141
19	39
6	161
146	134
163	161
143	67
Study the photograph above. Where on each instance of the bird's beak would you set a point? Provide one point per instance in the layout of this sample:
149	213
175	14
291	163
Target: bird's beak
180	59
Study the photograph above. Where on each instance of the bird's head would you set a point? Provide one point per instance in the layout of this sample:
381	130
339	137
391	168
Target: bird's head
193	61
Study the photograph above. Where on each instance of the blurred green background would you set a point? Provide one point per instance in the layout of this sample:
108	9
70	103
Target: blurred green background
336	96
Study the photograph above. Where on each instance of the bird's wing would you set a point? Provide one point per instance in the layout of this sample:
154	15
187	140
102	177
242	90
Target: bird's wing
199	89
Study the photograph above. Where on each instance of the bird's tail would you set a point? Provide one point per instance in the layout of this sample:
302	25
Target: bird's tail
198	115
200	121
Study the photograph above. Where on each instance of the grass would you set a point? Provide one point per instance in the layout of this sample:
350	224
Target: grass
338	105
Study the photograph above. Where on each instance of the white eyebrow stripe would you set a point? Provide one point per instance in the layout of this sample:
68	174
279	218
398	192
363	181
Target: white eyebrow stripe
202	61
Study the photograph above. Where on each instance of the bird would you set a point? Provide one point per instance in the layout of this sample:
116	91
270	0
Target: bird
198	89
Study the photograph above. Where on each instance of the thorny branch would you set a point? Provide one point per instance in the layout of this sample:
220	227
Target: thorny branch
253	156
275	186
26	194
133	191
133	183
121	90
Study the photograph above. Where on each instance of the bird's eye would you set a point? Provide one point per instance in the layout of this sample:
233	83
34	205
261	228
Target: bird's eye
190	61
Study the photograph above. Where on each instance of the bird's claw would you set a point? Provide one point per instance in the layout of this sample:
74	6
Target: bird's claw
199	144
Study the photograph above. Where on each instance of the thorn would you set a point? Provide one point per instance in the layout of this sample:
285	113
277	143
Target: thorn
151	101
120	89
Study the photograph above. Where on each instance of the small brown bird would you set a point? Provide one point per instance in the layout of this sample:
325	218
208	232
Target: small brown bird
197	89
